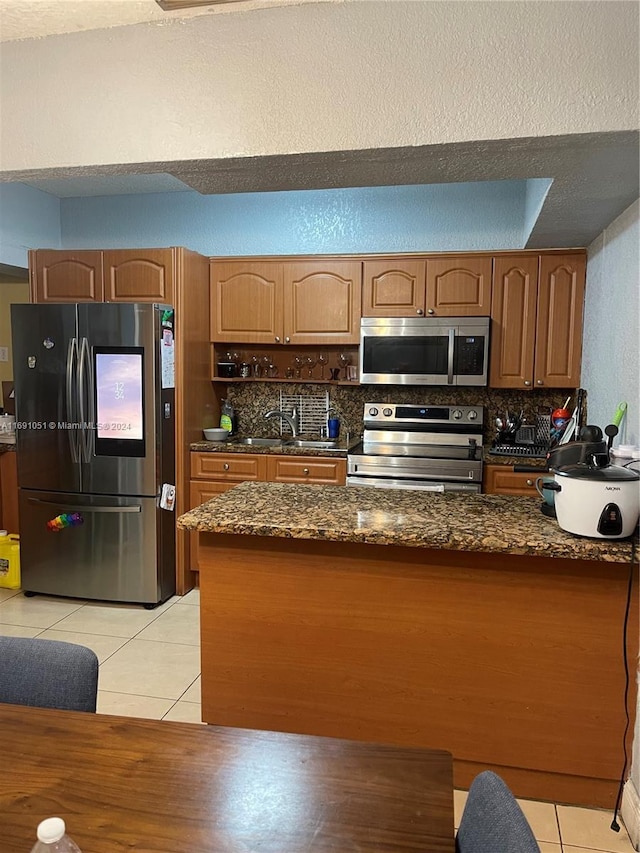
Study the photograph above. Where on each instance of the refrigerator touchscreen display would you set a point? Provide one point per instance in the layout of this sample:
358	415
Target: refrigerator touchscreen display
119	401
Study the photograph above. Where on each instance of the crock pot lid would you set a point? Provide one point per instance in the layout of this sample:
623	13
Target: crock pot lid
611	473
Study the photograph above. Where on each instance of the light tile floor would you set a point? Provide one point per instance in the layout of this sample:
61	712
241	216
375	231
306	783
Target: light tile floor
150	667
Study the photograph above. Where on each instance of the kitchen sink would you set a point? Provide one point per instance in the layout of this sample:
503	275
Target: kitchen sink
261	442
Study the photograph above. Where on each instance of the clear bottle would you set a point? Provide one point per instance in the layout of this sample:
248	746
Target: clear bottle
52	838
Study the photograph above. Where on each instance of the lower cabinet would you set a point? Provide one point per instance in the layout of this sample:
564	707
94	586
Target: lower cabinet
503	480
9	492
303	469
214	473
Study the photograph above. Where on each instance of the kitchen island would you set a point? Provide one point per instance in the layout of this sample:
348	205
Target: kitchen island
472	624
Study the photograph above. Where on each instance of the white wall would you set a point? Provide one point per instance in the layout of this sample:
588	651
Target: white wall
611	358
321	77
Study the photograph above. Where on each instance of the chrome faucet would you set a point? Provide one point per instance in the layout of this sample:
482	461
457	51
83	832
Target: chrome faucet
293	419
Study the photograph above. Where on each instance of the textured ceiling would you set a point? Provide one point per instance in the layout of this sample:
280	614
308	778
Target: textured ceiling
595	176
23	19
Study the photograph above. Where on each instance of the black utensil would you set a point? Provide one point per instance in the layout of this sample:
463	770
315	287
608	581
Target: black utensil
579	404
611	430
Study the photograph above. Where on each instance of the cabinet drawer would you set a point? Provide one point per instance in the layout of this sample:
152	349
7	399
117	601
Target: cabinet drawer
235	467
306	469
503	480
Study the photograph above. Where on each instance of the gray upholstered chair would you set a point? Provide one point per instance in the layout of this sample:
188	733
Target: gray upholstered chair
492	821
48	674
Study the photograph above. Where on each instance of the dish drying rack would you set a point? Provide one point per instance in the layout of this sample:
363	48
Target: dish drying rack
531	442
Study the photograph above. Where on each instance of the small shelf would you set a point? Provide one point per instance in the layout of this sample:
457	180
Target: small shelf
301	381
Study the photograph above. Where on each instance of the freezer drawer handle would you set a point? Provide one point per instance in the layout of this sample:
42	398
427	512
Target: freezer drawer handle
86	508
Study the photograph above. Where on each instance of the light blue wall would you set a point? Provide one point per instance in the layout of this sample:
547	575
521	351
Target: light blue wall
29	218
536	192
611	359
445	217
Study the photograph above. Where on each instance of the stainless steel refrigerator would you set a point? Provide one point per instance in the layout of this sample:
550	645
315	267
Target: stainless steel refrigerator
95	446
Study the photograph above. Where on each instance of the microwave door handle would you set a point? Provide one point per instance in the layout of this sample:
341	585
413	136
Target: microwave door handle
452	338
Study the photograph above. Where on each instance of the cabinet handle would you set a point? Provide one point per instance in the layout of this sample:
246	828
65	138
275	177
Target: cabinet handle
430	311
526	382
287	340
419	311
305	470
225	467
529	482
539	382
277	339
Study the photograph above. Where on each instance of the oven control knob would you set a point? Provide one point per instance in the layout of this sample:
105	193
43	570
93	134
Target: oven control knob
457	415
387	413
373	412
472	415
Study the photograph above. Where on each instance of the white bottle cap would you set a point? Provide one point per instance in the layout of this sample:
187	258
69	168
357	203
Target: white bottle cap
4	532
51	830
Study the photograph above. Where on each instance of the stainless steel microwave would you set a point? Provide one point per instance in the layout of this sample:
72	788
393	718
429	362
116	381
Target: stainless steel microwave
424	350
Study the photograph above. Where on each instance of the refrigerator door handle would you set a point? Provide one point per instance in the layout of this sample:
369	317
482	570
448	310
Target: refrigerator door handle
85	391
67	507
71	413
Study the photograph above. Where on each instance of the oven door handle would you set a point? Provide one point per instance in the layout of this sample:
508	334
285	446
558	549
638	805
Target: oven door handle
452	339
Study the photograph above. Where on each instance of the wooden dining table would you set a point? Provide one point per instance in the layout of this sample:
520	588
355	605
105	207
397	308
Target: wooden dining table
122	783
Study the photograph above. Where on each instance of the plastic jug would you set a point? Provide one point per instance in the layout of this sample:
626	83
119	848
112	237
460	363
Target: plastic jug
9	560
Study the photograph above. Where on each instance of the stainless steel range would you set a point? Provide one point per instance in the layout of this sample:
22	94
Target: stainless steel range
434	448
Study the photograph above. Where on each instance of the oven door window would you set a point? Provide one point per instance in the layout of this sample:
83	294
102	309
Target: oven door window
425	354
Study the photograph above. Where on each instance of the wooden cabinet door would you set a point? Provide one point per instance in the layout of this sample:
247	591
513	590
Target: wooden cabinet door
513	321
459	286
306	469
201	491
322	302
9	491
60	276
559	322
139	275
393	288
503	480
246	302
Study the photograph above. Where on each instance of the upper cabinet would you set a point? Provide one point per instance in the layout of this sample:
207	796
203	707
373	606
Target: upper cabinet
458	286
394	287
558	354
445	286
536	329
322	302
287	302
60	276
119	275
139	275
246	302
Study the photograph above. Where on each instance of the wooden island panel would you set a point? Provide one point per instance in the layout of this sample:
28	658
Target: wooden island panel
511	662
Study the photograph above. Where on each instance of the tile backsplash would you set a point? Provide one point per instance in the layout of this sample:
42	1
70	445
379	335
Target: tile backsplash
253	399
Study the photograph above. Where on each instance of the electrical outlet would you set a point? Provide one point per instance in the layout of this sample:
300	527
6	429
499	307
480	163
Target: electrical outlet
4	353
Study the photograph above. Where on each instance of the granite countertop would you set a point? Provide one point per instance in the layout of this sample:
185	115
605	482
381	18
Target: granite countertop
487	523
232	446
342	449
